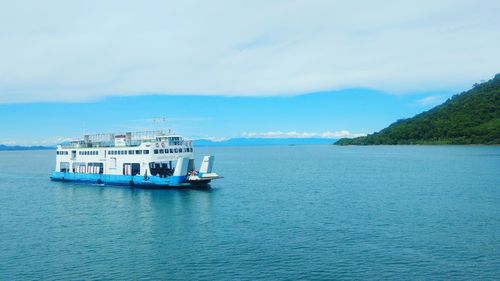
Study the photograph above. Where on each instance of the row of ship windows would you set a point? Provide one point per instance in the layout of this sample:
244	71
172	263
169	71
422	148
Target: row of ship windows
131	152
88	152
172	150
123	152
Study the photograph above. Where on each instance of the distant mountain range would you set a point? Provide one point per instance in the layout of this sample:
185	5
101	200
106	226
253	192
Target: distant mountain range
472	117
18	147
205	142
263	141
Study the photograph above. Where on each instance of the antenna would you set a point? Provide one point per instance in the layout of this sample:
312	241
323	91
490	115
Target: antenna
159	122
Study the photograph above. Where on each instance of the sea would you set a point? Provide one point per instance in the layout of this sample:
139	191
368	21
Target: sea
304	212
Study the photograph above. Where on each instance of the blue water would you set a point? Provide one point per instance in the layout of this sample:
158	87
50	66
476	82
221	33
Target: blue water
281	212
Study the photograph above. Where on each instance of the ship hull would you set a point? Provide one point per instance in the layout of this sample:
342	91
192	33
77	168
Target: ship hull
133	181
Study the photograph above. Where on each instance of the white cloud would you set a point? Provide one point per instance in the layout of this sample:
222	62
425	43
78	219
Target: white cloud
42	142
213	139
294	134
83	50
8	142
431	100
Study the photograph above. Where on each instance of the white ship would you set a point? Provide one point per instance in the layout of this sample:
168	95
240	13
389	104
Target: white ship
151	159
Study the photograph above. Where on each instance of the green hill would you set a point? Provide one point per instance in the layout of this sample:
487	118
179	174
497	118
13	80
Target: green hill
472	117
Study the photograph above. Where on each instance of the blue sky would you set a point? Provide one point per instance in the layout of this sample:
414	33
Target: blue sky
325	114
235	68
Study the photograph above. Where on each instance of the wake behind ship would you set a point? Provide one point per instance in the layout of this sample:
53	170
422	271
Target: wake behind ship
151	159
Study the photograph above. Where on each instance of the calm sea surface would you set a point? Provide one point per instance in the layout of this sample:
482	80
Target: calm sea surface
281	212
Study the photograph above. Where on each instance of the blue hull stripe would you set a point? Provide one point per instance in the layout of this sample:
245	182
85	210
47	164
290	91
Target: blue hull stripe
140	181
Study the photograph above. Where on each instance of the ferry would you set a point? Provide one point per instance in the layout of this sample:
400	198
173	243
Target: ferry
152	159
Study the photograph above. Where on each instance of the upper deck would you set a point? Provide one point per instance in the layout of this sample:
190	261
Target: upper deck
127	139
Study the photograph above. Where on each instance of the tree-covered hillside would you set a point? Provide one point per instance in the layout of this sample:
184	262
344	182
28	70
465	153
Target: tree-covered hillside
472	117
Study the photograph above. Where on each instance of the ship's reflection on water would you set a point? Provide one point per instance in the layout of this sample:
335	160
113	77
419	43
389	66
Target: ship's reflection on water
144	212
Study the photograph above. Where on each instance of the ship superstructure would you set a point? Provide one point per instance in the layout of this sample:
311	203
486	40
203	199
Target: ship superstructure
148	159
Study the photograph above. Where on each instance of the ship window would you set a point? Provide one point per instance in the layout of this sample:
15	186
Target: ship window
155	151
64	167
161	169
131	169
138	152
95	168
79	167
166	150
175	150
130	152
171	150
162	151
145	151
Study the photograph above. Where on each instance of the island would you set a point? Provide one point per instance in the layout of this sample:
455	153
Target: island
472	117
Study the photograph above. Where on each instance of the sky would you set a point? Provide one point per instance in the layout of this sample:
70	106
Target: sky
219	69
